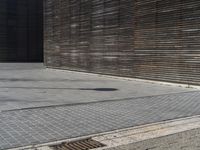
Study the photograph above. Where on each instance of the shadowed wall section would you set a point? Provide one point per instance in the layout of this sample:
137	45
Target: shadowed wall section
21	30
149	39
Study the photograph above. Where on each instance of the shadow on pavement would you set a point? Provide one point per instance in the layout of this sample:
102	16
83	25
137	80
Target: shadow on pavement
48	88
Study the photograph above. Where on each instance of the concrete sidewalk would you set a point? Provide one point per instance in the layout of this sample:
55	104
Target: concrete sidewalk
39	105
31	85
48	124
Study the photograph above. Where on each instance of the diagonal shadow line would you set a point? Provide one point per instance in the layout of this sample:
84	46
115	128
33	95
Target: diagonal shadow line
61	88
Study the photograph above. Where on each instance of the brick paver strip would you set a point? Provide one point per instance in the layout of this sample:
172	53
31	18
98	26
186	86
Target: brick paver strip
41	125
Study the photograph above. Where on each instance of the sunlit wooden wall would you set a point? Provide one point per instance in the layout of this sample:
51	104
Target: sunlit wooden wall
148	39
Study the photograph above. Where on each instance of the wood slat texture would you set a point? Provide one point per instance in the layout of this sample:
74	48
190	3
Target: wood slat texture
149	39
21	30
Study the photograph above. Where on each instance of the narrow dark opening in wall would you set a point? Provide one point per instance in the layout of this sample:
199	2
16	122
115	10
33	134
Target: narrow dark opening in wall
21	31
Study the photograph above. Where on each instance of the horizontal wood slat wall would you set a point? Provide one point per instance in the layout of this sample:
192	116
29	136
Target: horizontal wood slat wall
149	39
21	30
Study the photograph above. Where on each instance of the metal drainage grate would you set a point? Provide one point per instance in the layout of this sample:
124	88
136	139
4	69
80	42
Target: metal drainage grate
85	144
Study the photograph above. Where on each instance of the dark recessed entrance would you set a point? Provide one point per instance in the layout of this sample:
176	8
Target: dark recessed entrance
21	31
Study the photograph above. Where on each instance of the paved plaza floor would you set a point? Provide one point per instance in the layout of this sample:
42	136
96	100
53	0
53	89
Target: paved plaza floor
39	105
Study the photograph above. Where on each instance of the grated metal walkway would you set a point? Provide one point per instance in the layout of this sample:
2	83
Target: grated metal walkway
40	125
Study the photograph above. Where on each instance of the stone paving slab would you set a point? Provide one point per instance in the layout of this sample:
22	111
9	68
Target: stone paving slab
166	135
31	85
42	125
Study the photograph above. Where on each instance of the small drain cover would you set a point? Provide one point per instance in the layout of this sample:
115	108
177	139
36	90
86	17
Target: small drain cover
85	144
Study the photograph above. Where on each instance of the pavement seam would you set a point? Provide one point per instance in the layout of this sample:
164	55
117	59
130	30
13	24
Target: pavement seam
102	101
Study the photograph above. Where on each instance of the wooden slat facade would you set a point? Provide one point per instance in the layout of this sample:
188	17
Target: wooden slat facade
148	39
21	30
